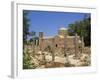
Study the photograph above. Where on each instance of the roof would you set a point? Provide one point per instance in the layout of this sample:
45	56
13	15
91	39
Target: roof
47	37
72	36
60	36
63	28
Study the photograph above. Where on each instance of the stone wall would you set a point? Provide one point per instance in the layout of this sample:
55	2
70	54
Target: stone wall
58	43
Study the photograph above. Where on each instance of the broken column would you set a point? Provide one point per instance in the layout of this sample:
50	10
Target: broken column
53	50
76	46
41	35
82	45
65	48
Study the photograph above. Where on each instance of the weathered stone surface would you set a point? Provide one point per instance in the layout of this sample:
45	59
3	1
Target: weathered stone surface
59	51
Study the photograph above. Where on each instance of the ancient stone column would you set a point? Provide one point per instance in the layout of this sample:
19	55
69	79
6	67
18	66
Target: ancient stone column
53	56
44	58
76	46
41	35
53	50
82	45
41	41
65	48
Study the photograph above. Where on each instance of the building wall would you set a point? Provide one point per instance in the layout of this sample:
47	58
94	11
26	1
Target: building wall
58	42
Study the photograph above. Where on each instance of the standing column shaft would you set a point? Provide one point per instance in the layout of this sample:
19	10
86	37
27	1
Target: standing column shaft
53	50
76	45
65	48
82	45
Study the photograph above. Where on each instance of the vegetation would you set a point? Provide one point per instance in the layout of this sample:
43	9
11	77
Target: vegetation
48	48
69	64
51	50
25	26
82	28
27	60
33	34
26	57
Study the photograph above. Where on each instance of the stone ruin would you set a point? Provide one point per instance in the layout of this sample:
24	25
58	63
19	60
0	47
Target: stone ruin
51	49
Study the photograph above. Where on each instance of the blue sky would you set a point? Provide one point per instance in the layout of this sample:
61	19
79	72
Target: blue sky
50	22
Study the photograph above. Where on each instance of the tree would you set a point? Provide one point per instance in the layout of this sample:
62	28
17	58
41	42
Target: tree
25	26
71	29
82	28
34	38
87	36
33	34
26	57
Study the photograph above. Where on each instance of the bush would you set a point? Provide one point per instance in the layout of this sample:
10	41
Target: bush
27	61
68	64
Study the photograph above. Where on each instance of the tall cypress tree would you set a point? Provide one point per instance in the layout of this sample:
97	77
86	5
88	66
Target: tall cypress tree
25	26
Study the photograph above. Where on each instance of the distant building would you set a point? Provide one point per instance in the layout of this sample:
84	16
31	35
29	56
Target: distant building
59	41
